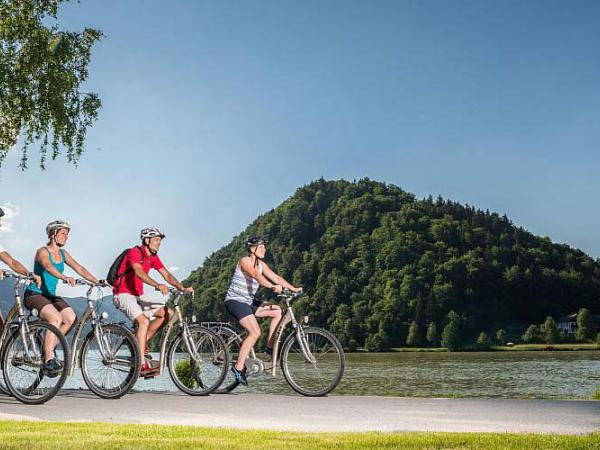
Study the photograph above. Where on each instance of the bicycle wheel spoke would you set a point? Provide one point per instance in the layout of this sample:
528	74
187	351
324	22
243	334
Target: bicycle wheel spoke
315	365
110	377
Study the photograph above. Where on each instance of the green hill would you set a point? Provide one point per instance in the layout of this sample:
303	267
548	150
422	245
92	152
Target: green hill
374	259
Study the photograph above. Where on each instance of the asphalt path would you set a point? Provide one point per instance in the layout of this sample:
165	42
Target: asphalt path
334	413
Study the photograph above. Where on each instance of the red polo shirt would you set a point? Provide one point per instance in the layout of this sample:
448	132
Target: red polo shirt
130	283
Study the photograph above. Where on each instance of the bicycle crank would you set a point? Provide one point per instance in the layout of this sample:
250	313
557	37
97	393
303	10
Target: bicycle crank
254	366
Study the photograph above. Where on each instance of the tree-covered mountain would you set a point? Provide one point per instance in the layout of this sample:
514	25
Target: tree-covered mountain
374	259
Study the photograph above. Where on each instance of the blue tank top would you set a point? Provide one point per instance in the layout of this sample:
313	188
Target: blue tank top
49	281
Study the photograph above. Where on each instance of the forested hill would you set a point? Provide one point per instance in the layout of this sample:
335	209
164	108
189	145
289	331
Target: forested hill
374	258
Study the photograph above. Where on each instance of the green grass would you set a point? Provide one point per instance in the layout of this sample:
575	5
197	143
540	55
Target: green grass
596	395
89	436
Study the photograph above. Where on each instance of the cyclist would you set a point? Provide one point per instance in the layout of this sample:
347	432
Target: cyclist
250	273
49	264
15	265
128	290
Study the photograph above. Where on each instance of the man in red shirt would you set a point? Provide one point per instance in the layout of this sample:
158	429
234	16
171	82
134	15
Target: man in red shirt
128	290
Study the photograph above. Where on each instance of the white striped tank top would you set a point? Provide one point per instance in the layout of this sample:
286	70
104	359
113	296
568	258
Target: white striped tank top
243	287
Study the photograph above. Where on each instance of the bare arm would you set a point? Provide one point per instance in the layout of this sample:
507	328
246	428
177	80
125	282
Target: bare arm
79	268
276	278
139	272
42	257
169	278
247	266
13	263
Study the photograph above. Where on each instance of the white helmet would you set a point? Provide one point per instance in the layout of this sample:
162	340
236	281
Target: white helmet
150	233
53	227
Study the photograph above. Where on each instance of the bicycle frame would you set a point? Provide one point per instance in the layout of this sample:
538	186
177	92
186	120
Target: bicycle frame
168	328
90	314
16	311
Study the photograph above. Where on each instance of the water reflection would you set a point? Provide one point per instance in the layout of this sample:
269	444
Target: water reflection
492	374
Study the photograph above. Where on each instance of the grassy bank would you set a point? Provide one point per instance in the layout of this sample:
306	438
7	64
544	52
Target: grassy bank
501	348
51	435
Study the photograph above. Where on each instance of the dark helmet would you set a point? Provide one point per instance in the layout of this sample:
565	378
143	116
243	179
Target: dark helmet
255	242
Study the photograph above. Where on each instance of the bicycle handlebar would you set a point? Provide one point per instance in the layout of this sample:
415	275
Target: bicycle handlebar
84	282
175	291
18	276
287	293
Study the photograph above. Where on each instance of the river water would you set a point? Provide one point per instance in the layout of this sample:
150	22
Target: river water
512	374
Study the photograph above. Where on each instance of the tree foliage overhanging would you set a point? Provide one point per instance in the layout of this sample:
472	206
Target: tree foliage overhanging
373	259
42	69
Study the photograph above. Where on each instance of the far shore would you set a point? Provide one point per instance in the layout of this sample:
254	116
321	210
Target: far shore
502	348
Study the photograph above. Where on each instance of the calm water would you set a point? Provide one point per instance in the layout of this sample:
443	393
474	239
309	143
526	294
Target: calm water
499	374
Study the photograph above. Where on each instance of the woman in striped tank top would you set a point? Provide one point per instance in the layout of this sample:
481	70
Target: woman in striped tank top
250	273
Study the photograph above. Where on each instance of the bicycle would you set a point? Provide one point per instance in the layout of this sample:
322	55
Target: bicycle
196	357
110	355
22	353
312	359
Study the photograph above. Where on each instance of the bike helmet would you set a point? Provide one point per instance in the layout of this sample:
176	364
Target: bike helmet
255	242
150	233
53	227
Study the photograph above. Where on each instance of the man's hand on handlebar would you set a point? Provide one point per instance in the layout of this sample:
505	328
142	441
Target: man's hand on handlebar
163	288
69	280
188	290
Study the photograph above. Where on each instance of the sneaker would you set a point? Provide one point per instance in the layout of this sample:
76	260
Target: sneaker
52	368
240	375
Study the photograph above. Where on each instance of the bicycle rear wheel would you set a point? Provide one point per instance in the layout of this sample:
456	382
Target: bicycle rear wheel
313	368
114	376
203	375
233	341
23	363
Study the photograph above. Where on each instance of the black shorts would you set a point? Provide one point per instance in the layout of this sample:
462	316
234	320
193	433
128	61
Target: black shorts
240	310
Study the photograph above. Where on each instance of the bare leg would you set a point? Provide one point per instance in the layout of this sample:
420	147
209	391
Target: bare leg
274	313
161	318
141	333
250	324
53	317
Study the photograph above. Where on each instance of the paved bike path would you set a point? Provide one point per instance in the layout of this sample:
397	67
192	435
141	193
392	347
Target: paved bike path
334	413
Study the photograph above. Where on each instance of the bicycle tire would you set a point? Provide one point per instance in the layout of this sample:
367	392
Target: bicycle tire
27	394
298	378
130	372
212	361
233	341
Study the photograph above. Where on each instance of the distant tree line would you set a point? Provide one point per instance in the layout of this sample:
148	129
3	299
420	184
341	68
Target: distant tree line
384	269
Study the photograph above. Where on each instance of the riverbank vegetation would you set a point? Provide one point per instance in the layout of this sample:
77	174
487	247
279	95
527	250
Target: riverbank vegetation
384	269
60	435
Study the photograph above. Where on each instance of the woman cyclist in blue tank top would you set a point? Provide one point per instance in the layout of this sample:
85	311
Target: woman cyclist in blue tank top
250	273
49	264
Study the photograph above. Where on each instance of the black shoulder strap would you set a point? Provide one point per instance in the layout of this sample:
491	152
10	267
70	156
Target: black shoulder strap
130	269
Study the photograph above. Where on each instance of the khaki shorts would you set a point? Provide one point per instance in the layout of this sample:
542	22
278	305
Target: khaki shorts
133	306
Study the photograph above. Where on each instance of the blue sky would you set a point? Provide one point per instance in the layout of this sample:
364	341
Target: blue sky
215	112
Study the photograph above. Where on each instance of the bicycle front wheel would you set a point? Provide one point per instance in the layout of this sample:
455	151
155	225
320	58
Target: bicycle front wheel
201	369
25	374
115	373
313	367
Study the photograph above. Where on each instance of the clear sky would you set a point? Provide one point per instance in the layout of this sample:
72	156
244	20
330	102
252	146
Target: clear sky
215	112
